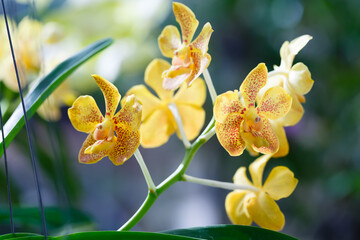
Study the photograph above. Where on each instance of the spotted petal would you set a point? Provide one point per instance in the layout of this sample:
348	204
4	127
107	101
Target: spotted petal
169	41
236	204
85	114
226	104
256	169
187	20
271	144
266	213
202	40
275	103
90	158
200	63
153	78
280	183
228	134
111	95
126	144
130	113
157	128
252	84
175	76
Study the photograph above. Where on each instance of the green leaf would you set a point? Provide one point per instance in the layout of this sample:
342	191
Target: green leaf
110	235
46	85
17	235
226	232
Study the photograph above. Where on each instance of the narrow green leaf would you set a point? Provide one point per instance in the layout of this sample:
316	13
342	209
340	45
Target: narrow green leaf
45	86
17	235
227	232
110	235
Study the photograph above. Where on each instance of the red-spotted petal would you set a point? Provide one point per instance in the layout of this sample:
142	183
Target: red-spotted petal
202	41
90	158
169	41
85	114
187	20
130	113
228	134
111	94
175	76
271	143
252	84
126	144
275	103
200	63
225	104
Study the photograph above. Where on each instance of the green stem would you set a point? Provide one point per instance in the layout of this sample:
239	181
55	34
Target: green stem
175	112
145	171
176	176
210	85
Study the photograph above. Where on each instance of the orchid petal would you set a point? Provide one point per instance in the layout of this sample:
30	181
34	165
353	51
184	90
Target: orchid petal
126	143
169	41
202	40
241	178
192	118
157	128
200	63
85	114
266	213
194	95
130	113
111	95
226	104
153	77
280	183
90	158
256	169
175	76
236	204
275	103
252	84
288	51
228	134
265	139
187	20
283	142
148	101
300	79
296	111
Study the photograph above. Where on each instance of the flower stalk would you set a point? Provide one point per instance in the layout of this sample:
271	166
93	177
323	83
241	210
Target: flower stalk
210	85
175	112
145	171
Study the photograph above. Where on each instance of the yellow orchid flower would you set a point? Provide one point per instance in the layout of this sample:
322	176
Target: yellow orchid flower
241	123
158	122
116	136
295	79
189	59
244	206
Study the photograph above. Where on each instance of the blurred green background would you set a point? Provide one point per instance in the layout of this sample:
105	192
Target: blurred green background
324	146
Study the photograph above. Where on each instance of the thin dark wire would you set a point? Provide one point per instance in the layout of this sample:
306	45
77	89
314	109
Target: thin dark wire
26	124
7	174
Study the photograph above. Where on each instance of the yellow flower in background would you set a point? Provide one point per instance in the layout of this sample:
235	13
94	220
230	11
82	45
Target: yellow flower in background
158	122
116	136
240	123
189	58
244	206
295	79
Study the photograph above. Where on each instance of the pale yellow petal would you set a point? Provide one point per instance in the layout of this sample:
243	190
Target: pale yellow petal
256	169
130	113
280	183
228	134
299	43
111	95
187	20
157	128
148	101
225	104
241	178
126	143
90	158
175	76
169	41
194	95
85	114
193	119
288	51
236	207
202	41
275	103
266	213
295	113
252	84
153	78
300	79
283	142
